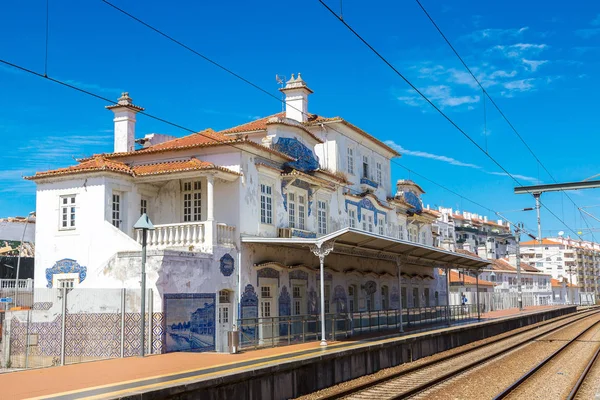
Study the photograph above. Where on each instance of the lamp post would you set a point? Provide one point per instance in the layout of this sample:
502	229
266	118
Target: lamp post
145	225
19	257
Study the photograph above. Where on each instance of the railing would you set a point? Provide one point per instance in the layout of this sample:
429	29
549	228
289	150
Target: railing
225	234
278	331
24	284
175	235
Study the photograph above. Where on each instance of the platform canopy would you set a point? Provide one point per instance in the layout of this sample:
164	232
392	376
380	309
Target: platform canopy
350	240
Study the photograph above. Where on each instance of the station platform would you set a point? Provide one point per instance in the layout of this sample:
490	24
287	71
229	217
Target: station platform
270	373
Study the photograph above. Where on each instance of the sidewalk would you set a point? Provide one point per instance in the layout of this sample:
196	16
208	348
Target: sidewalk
54	380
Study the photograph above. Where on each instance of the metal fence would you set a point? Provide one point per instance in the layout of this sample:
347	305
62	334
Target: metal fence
69	326
22	297
278	331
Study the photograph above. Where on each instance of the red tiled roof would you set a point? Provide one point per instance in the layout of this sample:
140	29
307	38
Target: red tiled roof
192	164
557	283
252	126
467	279
96	163
503	265
99	163
544	241
467	252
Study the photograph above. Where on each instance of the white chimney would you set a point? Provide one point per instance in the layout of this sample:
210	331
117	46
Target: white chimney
125	112
296	99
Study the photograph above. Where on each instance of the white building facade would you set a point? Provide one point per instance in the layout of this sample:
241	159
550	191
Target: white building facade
234	213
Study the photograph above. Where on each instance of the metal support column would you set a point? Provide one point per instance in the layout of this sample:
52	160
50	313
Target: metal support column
537	195
63	327
519	291
150	320
123	293
321	250
448	294
399	264
477	296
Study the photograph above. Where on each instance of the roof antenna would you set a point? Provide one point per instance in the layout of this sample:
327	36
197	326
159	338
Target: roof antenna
281	81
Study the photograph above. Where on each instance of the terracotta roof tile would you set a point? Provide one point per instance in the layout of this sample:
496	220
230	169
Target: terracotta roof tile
192	164
252	126
467	279
544	241
96	163
100	163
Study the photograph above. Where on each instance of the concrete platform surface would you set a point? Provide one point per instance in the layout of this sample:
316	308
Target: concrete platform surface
118	377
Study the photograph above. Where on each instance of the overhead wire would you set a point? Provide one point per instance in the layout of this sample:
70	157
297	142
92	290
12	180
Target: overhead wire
435	107
176	125
486	94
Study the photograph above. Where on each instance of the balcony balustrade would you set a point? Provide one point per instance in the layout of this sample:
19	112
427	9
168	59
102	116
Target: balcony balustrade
190	235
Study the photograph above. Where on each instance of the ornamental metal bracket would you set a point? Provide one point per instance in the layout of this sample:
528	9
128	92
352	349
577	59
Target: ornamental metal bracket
322	249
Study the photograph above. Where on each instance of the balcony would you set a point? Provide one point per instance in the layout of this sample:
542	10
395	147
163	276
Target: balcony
295	232
189	235
367	184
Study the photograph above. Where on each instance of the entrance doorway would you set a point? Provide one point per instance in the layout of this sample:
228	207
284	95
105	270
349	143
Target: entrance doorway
266	312
224	319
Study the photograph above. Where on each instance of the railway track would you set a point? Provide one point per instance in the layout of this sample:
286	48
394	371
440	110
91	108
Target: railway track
415	380
542	372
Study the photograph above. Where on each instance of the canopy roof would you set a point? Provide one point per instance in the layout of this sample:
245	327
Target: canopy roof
357	239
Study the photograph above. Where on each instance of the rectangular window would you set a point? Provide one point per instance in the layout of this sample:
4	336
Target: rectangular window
370	223
292	209
301	211
192	201
116	210
322	217
381	226
265	292
266	204
66	283
379	174
350	161
352	218
67	212
143	206
423	239
365	171
224	315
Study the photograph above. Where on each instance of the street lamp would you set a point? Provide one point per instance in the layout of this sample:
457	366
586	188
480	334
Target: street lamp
145	225
19	257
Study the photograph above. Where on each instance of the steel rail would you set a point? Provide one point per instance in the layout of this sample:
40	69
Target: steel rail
583	376
382	380
545	361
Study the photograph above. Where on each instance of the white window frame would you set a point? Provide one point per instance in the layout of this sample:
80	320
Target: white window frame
350	160
365	167
322	217
143	206
116	209
301	212
192	201
58	279
67	212
352	217
379	174
381	225
292	209
266	203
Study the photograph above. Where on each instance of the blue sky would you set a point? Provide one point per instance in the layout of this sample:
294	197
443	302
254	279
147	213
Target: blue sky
539	64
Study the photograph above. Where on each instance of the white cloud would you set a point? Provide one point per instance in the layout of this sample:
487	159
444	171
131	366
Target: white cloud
502	74
520	49
517	176
495	34
534	64
521	85
440	95
431	156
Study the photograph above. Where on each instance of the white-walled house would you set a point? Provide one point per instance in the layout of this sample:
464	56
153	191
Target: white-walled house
247	220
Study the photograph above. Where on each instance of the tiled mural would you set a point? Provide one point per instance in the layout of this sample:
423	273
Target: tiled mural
189	322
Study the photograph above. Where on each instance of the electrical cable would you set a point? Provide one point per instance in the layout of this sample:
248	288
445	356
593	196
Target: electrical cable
454	124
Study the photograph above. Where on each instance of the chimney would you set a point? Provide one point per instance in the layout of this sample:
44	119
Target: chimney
296	99
125	112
